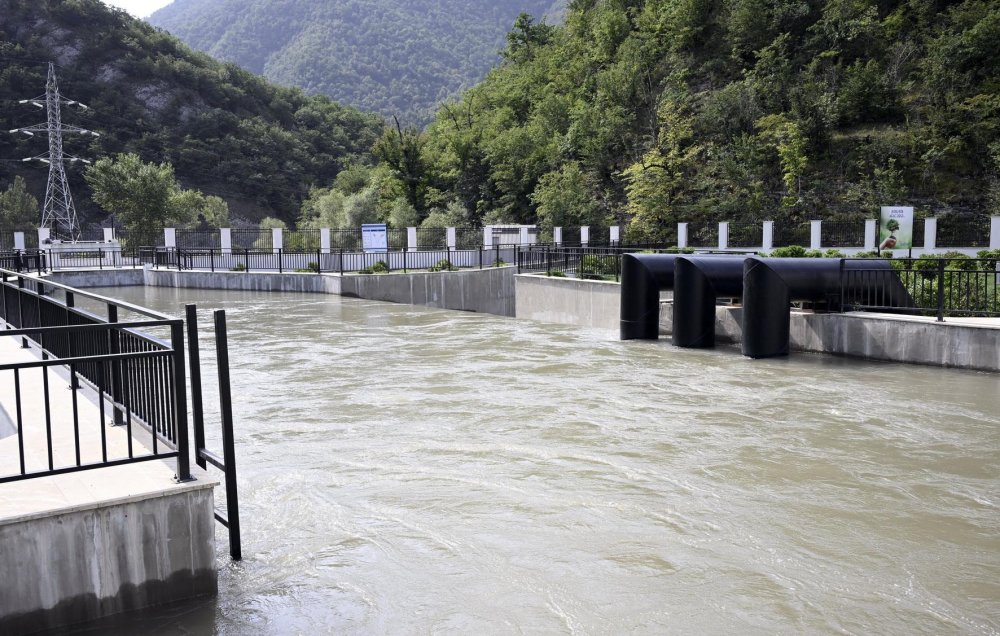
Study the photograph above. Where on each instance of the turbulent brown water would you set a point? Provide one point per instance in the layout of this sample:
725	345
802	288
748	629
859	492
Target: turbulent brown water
406	470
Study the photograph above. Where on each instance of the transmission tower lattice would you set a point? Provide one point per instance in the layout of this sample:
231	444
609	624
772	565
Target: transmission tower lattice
58	213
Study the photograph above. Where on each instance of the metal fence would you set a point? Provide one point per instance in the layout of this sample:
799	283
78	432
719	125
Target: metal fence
963	231
191	239
842	234
938	287
788	235
746	234
703	234
592	263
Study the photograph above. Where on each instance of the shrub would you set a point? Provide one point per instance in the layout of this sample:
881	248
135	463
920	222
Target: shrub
990	258
834	253
791	251
558	273
240	267
598	266
443	265
311	267
378	268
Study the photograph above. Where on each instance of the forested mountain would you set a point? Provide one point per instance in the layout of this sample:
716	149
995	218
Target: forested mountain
395	57
654	111
226	131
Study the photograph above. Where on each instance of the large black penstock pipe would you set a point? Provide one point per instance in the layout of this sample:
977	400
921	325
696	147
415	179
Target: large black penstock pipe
770	285
643	276
699	281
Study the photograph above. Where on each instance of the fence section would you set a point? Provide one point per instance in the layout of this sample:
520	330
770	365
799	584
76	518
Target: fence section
139	381
938	286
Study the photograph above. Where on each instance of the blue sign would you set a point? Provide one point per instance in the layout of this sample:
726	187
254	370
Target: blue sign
374	237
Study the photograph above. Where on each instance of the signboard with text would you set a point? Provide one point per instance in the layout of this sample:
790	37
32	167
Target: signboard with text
374	237
895	228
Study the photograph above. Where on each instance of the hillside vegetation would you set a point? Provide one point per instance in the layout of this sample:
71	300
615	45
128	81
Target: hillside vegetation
226	131
395	57
653	111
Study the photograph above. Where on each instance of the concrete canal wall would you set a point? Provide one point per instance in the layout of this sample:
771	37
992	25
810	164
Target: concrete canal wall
90	559
489	290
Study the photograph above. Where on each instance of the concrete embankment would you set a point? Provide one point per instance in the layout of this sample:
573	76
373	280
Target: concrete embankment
967	343
489	290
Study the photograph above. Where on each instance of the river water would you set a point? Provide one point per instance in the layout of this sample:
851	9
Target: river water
406	470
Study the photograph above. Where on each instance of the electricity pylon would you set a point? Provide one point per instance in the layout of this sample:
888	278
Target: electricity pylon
58	213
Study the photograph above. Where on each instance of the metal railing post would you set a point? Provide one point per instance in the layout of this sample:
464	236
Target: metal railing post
228	437
281	269
114	348
180	402
194	360
940	290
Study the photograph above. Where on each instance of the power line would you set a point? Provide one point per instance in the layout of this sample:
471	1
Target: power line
58	213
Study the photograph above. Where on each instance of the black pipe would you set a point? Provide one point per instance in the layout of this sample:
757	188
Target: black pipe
643	276
770	285
698	283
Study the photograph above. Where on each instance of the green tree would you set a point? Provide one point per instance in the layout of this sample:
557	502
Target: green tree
144	197
564	199
19	210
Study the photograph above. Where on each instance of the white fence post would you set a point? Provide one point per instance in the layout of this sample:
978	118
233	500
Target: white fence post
109	234
524	235
169	237
584	235
488	236
723	235
995	233
324	240
615	237
767	237
450	234
930	233
277	239
411	239
18	240
871	230
682	235
226	240
815	235
557	236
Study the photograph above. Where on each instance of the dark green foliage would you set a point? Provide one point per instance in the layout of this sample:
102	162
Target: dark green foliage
443	265
650	112
598	267
380	267
224	130
396	58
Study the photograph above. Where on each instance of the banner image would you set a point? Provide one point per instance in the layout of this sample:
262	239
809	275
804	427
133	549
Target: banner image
896	228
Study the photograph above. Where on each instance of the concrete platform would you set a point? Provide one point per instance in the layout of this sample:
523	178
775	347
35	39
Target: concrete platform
88	544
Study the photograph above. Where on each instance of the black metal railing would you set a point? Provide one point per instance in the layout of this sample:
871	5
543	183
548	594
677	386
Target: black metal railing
938	287
139	379
129	388
432	238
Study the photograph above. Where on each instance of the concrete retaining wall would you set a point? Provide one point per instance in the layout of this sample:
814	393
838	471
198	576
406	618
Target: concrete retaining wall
99	278
108	558
489	290
569	301
244	281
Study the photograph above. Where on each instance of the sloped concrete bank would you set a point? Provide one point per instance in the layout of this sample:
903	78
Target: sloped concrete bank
962	343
